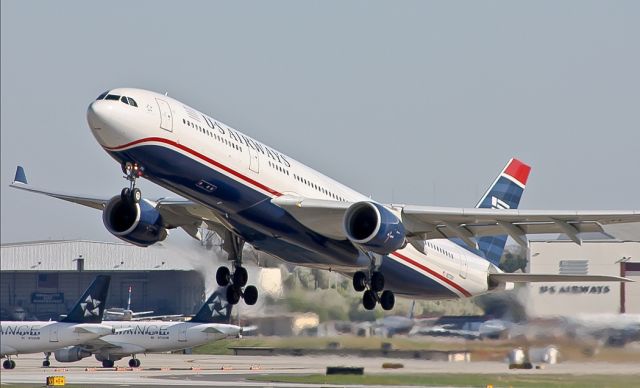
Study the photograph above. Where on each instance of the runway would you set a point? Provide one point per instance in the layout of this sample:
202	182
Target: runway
222	371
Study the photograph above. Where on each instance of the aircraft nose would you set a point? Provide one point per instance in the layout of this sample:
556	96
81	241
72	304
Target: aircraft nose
97	115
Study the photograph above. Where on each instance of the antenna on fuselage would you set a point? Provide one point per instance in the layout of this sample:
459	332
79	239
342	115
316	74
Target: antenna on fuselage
166	93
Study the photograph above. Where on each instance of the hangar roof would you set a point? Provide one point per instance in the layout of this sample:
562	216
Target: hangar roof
54	255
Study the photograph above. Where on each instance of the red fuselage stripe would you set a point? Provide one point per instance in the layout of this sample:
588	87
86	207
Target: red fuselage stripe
201	156
432	272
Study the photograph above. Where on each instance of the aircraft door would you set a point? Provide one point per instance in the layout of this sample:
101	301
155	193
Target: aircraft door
53	333
464	265
182	335
254	161
166	118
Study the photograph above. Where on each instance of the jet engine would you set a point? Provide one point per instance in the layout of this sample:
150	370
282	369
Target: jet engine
374	227
70	354
137	223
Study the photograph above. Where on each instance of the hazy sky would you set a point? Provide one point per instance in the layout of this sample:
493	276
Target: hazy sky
415	102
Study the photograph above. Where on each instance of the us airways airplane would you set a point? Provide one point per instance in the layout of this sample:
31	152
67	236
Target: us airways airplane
82	324
211	323
250	193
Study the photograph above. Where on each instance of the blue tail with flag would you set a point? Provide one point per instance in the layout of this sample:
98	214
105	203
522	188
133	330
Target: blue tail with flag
504	193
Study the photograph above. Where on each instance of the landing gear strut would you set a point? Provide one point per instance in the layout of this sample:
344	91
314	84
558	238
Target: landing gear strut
9	364
46	363
134	362
132	171
373	286
238	279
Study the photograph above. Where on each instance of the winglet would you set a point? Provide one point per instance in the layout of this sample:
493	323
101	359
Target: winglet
20	177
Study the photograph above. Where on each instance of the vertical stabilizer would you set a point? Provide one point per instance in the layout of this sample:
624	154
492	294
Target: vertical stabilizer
215	310
90	306
504	193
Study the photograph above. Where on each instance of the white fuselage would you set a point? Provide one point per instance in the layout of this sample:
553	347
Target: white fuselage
441	270
47	336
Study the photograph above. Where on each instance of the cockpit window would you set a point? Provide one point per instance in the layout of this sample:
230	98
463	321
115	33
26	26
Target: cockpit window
128	101
112	97
103	95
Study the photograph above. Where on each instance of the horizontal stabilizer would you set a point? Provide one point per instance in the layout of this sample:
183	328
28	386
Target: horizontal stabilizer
533	278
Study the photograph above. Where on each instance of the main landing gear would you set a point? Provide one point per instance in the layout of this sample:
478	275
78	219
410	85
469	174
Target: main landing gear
46	363
373	287
134	362
8	364
239	278
132	172
108	363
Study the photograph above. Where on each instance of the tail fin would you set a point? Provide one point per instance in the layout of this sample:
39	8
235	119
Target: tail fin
504	193
216	309
90	307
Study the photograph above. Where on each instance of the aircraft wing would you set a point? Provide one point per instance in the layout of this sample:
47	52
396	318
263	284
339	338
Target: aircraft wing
427	222
182	213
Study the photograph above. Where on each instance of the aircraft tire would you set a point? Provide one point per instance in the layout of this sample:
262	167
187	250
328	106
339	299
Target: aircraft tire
240	277
136	195
124	194
223	276
46	364
359	281
6	364
233	295
13	364
387	300
108	363
369	300
377	281
250	295
132	363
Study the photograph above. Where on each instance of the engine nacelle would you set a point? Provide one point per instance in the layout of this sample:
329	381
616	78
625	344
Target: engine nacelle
374	227
137	223
70	354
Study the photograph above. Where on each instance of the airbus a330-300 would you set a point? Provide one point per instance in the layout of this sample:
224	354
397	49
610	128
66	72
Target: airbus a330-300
251	193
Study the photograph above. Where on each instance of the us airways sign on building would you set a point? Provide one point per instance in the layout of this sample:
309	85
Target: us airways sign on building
575	290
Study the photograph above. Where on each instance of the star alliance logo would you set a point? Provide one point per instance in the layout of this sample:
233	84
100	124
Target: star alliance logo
216	306
90	306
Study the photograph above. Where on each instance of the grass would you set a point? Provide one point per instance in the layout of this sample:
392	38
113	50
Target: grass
463	380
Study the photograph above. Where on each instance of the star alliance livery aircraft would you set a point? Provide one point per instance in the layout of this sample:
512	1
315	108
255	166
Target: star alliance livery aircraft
211	323
82	324
248	192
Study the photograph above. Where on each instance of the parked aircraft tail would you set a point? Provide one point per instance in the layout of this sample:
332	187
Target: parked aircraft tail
90	307
504	193
215	310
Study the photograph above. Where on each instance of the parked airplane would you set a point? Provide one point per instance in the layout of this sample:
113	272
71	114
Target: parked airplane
249	192
211	323
82	324
126	314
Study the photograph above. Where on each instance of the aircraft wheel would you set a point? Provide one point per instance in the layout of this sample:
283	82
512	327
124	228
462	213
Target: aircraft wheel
124	194
387	300
46	364
138	363
223	276
233	295
240	277
13	364
6	364
359	281
369	300
132	363
250	295
136	195
108	363
377	281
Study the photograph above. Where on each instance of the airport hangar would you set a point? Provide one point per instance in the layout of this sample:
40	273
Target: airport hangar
45	278
603	257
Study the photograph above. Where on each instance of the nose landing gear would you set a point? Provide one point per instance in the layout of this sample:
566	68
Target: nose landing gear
134	362
132	172
8	364
238	279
